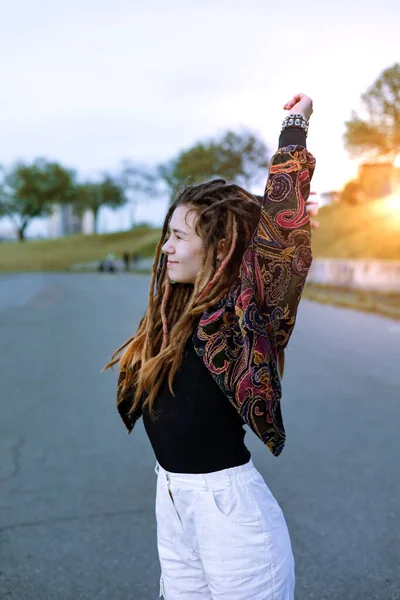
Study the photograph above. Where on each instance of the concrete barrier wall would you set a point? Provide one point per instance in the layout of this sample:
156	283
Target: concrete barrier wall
382	276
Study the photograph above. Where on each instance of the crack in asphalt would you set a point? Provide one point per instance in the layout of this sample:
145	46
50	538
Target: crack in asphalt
16	455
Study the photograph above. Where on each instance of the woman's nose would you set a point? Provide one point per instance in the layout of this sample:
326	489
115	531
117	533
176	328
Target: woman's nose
167	248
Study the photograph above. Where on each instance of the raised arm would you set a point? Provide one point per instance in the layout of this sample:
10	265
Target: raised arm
276	264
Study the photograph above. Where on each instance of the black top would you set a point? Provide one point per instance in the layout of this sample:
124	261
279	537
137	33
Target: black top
198	430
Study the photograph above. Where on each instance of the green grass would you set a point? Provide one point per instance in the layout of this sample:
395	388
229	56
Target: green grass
345	232
60	254
387	305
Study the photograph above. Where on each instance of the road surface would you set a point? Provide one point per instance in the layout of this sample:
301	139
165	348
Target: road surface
77	493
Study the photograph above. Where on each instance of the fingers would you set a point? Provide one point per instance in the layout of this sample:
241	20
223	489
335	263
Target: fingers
293	101
312	211
312	208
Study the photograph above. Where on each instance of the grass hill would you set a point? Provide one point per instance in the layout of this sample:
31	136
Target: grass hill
60	254
345	232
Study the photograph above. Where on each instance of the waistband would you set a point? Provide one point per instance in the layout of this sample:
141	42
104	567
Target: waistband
212	480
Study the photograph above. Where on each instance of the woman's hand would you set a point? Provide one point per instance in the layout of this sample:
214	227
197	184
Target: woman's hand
312	210
300	104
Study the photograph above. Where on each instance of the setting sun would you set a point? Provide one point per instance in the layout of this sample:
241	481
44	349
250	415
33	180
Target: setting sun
390	207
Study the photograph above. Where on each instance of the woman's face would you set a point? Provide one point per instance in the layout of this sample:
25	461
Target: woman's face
184	248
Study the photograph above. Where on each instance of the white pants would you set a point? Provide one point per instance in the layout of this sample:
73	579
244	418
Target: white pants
222	536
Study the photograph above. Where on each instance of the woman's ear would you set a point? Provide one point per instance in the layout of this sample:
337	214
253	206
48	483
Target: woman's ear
221	249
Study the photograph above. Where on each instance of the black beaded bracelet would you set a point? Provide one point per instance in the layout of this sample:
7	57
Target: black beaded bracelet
295	121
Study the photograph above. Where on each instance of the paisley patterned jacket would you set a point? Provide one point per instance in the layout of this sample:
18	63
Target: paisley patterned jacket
240	337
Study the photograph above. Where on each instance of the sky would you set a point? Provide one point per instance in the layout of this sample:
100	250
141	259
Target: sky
91	83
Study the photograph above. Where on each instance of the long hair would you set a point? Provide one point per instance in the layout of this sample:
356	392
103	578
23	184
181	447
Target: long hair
156	350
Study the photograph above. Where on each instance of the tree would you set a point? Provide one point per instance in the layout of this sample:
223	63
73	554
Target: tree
92	196
352	193
378	134
238	157
3	204
139	181
29	191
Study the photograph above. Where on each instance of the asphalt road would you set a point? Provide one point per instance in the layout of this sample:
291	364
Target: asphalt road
77	493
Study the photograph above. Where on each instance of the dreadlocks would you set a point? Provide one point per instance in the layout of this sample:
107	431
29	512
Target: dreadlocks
156	350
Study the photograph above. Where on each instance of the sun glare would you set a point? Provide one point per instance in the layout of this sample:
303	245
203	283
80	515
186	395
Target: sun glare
390	208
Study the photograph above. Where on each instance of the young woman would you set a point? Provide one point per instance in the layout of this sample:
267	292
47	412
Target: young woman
207	359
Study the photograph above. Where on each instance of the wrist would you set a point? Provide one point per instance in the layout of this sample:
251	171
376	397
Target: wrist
304	109
300	112
295	120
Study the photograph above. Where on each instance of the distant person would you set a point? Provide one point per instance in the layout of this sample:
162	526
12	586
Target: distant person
126	260
135	259
205	360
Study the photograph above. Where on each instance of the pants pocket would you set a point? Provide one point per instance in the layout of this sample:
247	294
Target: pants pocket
237	504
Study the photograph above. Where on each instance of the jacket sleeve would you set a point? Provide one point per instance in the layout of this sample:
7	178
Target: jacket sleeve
125	398
275	265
